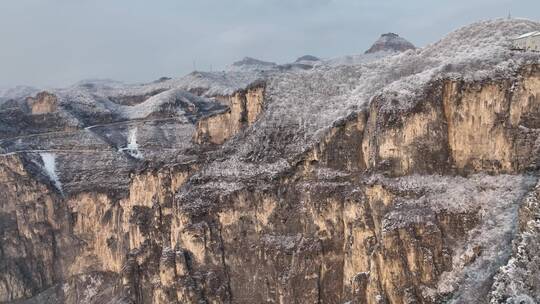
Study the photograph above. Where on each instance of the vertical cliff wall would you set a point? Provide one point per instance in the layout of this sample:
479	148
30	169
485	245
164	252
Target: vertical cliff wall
327	233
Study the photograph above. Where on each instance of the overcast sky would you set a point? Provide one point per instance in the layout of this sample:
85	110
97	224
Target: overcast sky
58	42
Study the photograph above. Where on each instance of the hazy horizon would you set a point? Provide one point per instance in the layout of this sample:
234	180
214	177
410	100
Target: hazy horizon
55	43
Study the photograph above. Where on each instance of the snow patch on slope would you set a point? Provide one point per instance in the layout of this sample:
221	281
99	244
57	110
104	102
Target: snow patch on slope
153	104
518	280
49	166
132	147
208	84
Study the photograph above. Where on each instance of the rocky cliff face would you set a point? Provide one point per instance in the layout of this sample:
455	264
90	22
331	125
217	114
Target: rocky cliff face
243	109
403	179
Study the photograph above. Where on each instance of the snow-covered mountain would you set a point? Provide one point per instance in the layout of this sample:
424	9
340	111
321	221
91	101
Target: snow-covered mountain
402	175
390	42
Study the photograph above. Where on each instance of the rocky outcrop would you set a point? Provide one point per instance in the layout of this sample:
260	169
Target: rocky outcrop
43	103
244	107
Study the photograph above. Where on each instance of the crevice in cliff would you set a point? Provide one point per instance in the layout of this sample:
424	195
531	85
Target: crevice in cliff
224	265
319	285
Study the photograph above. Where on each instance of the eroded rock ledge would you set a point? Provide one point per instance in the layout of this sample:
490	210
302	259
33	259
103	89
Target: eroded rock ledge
244	108
453	126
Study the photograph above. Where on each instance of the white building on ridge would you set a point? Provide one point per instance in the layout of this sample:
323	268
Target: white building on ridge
527	42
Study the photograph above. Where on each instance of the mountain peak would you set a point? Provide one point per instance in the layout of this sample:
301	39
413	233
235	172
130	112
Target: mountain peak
390	42
252	61
307	58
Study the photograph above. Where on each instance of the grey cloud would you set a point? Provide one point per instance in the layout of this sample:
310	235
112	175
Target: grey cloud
58	42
